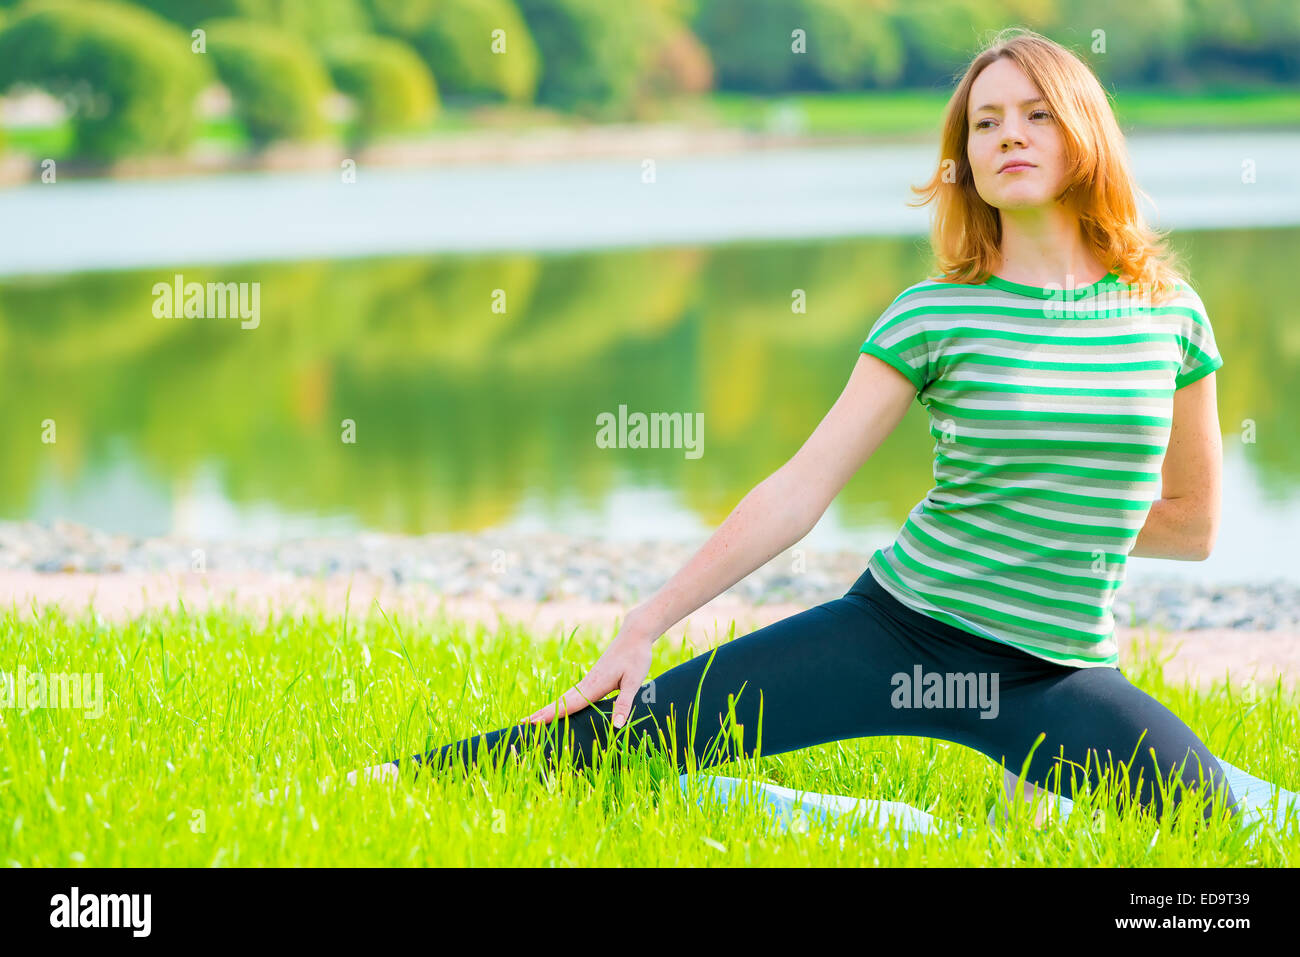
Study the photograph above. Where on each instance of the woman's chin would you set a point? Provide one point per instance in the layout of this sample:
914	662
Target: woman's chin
1019	201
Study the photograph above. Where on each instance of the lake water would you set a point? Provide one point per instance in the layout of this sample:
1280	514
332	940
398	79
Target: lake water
1196	182
473	324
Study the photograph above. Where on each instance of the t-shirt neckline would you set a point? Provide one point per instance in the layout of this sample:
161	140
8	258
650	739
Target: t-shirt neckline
1039	292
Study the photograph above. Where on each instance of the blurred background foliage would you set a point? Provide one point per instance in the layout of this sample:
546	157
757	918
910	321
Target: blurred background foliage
130	77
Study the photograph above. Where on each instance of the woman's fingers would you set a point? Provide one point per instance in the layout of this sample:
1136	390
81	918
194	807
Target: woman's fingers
585	692
626	698
623	666
638	666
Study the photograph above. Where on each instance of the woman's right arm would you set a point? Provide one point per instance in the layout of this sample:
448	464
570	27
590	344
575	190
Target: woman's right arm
776	513
785	506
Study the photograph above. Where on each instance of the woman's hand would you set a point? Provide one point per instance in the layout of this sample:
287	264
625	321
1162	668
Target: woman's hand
624	666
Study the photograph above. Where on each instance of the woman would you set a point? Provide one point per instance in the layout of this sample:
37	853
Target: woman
1069	375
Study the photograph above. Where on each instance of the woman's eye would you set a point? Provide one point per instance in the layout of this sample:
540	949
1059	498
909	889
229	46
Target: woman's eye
1042	112
980	124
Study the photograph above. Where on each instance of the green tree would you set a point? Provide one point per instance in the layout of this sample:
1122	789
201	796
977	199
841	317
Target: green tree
127	77
459	39
773	45
312	19
1251	38
1122	41
276	80
593	51
392	88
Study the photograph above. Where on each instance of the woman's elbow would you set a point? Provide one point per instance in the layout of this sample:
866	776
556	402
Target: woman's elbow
1205	541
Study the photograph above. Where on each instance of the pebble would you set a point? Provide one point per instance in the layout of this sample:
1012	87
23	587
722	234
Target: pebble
548	566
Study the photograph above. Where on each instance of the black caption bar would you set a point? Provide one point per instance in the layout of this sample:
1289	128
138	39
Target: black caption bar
332	907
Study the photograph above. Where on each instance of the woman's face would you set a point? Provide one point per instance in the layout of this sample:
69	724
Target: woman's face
1008	121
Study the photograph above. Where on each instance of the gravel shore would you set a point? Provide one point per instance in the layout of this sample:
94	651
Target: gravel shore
550	567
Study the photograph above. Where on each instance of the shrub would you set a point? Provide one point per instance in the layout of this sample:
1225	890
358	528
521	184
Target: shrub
310	19
276	81
592	51
455	38
391	86
848	44
680	64
128	77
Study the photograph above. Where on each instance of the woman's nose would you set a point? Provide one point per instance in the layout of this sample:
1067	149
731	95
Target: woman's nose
1011	136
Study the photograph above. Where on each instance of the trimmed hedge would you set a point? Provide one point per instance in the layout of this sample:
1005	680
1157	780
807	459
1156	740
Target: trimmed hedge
128	77
277	82
392	88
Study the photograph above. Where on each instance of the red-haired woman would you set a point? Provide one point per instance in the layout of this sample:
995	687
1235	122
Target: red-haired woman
1069	372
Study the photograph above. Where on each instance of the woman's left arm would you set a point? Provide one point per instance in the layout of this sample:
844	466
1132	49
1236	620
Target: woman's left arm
1184	522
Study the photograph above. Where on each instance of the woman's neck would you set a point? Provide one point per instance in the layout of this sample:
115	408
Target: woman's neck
1045	247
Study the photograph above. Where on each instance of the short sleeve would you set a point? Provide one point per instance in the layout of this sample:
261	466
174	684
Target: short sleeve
1200	353
899	338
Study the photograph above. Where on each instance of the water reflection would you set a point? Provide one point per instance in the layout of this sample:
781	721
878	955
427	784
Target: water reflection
475	385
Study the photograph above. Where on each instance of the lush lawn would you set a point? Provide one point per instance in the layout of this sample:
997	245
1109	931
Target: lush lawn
206	710
919	113
223	133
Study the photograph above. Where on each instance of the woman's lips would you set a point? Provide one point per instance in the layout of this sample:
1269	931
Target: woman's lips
1016	167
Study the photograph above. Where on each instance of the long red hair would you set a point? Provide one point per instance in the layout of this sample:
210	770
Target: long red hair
966	232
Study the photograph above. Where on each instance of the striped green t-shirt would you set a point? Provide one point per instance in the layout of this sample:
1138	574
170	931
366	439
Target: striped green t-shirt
1051	413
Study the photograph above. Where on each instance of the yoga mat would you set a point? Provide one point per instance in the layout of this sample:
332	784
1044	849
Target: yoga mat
1260	801
787	805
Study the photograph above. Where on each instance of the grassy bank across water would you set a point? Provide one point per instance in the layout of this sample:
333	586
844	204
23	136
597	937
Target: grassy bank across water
913	112
863	115
203	711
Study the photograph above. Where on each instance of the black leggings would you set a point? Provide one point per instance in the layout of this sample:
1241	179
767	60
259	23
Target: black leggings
845	668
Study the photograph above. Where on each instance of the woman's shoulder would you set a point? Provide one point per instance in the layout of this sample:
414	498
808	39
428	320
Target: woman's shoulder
925	289
1181	297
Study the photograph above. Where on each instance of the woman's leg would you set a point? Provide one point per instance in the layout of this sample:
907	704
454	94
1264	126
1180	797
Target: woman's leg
1094	718
1087	716
835	671
810	674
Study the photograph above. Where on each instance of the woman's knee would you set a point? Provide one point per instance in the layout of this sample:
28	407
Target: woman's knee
1160	779
1202	774
1131	736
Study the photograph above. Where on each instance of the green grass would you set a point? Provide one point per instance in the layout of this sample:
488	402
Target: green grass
205	710
911	112
1228	109
39	141
854	114
227	133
